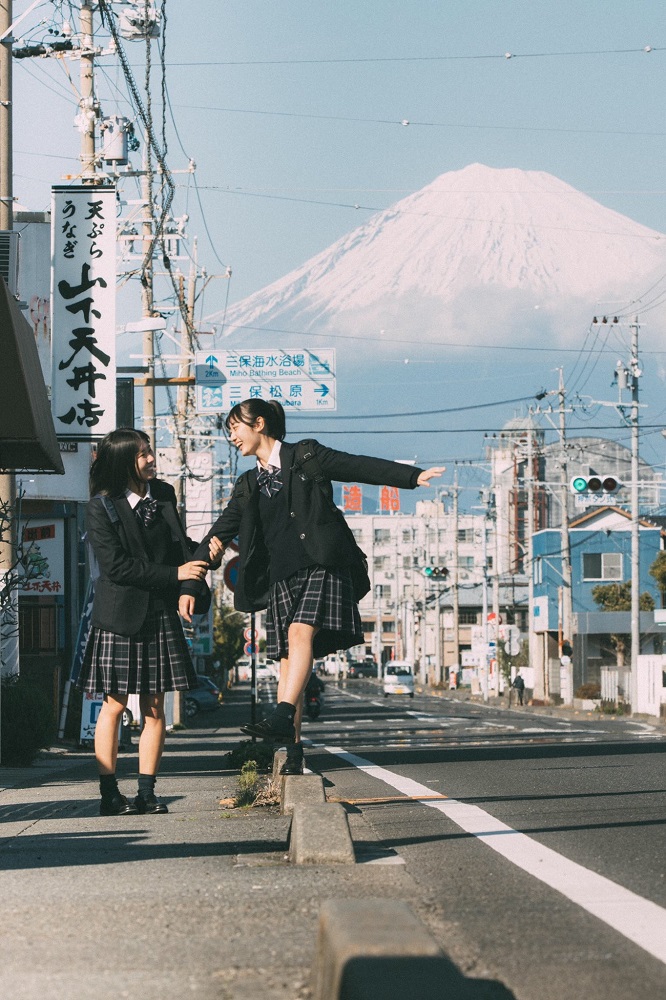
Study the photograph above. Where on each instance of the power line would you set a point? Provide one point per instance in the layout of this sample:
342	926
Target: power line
502	57
409	122
531	225
329	335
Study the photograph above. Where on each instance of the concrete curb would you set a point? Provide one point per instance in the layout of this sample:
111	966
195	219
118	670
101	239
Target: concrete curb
376	949
320	834
279	757
301	789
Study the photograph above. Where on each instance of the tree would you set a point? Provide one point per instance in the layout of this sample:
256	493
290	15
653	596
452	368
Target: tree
658	571
617	597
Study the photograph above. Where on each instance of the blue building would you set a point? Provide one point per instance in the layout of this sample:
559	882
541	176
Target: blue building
600	542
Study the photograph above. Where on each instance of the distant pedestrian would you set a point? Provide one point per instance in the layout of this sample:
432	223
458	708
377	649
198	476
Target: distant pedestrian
136	643
519	685
298	557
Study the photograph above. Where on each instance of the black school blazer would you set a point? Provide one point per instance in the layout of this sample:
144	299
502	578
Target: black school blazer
322	528
127	576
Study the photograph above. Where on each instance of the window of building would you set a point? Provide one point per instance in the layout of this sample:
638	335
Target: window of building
406	535
381	562
368	626
467	616
465	534
602	565
537	570
383	590
407	562
466	562
382	536
37	628
388	627
357	533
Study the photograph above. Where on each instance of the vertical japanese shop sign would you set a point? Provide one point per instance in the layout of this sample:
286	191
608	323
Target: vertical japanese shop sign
83	311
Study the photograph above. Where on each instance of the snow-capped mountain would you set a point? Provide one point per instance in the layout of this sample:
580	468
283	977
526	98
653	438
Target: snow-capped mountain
478	252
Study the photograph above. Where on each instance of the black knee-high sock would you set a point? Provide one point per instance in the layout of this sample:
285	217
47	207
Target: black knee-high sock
108	785
147	785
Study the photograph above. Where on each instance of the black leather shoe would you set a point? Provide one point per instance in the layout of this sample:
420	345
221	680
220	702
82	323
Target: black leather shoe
117	806
150	804
278	730
294	762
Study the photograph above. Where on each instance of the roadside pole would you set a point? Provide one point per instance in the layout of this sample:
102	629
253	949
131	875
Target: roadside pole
456	595
565	545
635	537
9	643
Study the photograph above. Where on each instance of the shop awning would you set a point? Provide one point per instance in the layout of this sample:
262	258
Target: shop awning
27	436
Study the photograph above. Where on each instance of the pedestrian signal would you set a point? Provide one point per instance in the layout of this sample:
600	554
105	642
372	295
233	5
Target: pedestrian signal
582	485
437	572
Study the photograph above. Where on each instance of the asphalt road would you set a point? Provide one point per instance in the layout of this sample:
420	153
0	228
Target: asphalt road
538	842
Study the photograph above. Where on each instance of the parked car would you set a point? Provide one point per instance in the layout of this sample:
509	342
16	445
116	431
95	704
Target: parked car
398	678
205	681
362	668
203	698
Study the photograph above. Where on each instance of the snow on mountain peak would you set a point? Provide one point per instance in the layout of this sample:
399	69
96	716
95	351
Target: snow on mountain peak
476	246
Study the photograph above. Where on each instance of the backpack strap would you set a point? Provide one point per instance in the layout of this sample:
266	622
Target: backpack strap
307	461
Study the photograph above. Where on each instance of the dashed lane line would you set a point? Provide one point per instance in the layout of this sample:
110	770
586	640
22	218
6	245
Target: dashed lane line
637	919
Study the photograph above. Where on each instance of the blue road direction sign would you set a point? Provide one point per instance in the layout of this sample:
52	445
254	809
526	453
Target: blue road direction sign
299	379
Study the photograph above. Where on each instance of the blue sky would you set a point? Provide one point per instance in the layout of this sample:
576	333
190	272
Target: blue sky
280	169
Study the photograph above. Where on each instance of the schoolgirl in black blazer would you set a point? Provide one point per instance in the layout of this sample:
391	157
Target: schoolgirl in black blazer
136	643
297	553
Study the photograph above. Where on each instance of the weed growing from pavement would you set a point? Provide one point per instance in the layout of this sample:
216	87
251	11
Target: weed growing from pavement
248	784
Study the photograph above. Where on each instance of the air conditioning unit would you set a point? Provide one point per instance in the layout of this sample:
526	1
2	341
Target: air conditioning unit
9	258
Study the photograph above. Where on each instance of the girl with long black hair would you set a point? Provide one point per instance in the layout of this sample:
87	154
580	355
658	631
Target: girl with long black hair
136	643
298	557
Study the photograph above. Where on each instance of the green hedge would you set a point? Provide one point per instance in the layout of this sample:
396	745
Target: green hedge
26	721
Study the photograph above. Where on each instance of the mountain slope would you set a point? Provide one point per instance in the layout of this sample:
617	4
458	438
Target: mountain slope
517	250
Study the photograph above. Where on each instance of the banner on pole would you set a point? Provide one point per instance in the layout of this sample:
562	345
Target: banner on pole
83	311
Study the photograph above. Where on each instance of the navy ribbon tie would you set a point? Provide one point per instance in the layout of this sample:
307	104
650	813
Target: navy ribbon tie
146	510
269	481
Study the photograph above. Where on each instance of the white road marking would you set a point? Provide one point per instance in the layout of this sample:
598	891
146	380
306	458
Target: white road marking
637	919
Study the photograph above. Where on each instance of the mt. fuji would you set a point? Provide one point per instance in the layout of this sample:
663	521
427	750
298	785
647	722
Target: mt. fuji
478	254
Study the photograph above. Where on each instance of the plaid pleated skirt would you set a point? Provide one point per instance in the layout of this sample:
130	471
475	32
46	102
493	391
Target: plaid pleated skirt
313	596
154	660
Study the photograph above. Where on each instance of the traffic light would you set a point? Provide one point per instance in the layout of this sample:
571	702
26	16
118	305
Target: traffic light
436	572
605	484
567	648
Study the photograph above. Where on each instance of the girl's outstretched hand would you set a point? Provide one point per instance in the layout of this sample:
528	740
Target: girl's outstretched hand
428	474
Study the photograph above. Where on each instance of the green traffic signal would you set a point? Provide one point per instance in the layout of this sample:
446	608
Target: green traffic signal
595	484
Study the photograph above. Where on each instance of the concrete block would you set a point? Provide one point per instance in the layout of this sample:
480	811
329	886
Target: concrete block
376	949
298	788
320	835
279	757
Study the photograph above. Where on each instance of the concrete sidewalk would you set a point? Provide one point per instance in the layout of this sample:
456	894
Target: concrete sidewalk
199	902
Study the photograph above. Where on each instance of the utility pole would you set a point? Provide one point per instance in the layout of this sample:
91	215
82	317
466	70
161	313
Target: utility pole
496	595
88	112
378	627
9	642
147	301
456	595
484	610
184	395
567	595
635	536
541	684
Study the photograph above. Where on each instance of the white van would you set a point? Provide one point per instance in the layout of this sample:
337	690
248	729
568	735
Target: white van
398	678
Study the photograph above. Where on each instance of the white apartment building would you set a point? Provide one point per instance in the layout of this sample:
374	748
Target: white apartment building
410	612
